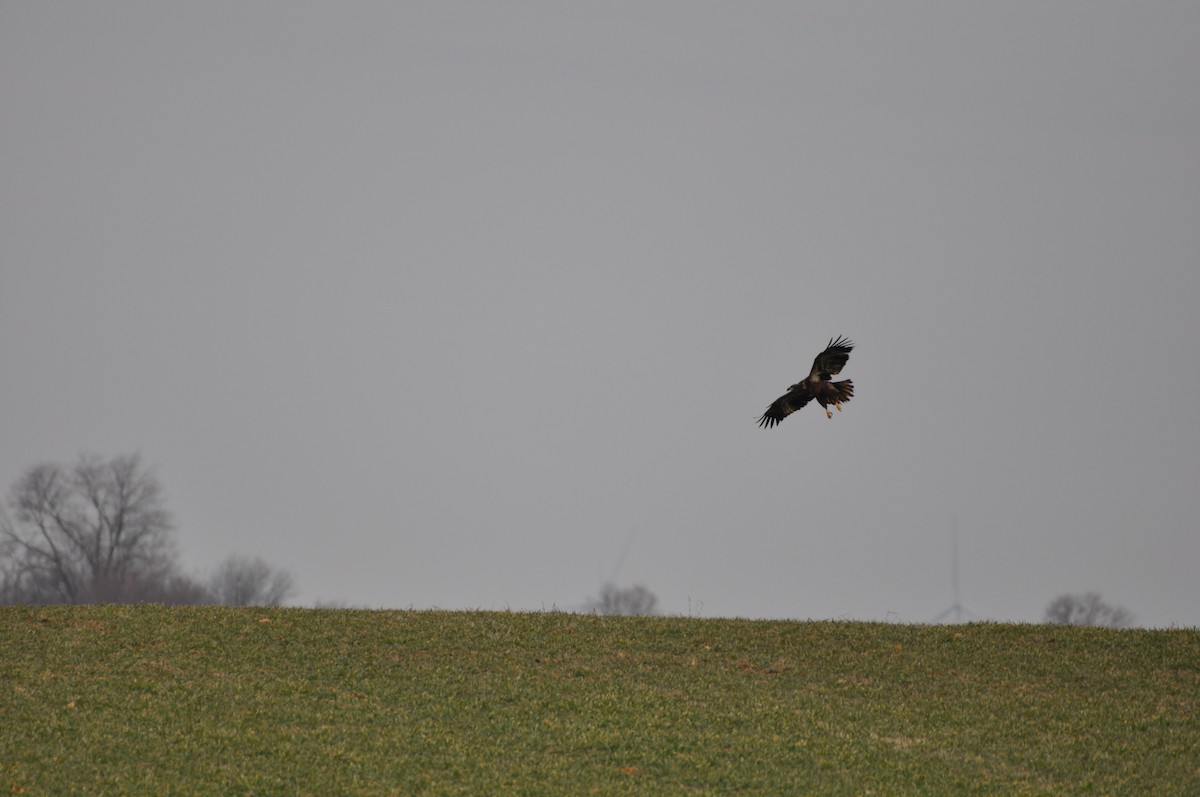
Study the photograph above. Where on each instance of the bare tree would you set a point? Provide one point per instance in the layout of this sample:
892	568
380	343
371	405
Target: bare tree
239	581
1086	609
96	531
172	588
616	600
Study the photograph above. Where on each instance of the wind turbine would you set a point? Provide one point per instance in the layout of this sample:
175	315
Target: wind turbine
956	613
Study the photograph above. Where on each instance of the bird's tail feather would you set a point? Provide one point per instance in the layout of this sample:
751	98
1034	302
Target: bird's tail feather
845	390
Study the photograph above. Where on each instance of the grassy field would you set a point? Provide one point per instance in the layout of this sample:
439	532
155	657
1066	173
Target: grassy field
208	700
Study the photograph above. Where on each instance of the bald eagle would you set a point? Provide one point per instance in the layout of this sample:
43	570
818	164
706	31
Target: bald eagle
817	385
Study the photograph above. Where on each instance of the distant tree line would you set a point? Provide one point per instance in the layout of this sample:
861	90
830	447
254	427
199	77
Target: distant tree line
98	531
1087	609
625	601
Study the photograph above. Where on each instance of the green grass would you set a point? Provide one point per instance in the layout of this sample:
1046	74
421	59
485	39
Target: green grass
154	700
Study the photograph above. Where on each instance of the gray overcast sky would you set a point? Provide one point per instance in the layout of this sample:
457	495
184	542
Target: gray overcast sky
437	304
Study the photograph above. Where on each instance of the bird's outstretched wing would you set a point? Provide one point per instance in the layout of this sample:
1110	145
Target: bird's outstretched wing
833	359
784	406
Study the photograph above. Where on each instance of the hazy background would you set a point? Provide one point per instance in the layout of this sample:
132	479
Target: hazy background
444	304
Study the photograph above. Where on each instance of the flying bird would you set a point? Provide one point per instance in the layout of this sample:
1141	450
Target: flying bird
817	385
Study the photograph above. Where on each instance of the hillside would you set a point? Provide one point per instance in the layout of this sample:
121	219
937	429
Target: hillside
207	700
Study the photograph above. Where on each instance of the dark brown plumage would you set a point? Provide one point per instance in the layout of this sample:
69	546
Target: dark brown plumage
817	385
